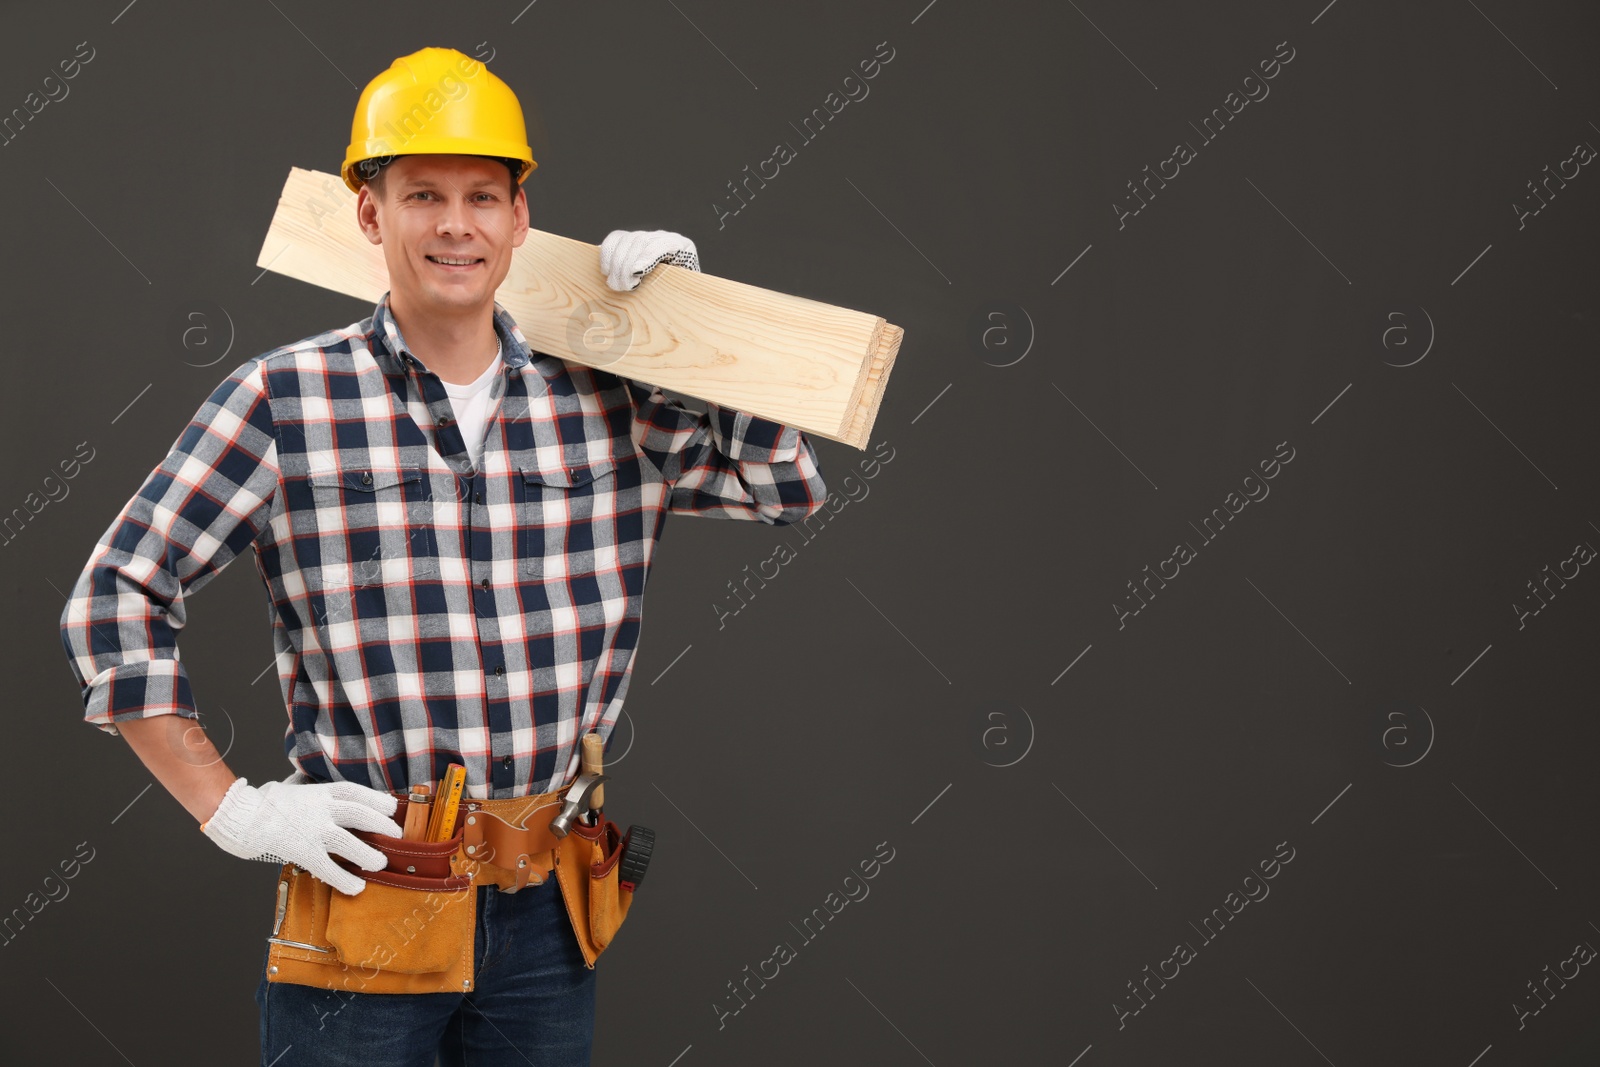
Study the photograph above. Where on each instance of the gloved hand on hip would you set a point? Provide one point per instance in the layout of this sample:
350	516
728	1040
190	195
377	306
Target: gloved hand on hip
282	822
626	256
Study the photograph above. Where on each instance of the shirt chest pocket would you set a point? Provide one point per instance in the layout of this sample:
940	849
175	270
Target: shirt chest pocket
375	526
563	516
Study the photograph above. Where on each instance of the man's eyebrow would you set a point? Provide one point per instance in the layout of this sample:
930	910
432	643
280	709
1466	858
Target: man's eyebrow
429	183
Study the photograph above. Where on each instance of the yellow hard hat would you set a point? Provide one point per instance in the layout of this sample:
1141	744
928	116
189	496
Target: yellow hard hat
436	101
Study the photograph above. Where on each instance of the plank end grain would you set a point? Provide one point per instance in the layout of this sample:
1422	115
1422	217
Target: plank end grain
874	382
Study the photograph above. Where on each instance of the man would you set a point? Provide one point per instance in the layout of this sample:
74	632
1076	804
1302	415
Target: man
455	533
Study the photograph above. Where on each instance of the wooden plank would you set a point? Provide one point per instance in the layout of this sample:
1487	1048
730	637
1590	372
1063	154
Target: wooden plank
800	362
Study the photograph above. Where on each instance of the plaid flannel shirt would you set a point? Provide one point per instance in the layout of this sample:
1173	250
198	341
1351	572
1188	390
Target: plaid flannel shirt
423	612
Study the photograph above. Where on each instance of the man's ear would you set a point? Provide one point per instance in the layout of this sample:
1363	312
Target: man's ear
367	214
519	218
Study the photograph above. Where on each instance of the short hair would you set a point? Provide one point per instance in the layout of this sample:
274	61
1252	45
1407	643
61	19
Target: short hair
372	172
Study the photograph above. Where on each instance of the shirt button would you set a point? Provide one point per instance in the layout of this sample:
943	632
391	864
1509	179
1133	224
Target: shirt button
506	762
479	498
485	583
366	479
501	669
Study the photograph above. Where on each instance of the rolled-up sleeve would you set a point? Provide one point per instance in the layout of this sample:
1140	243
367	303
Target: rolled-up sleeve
727	463
203	505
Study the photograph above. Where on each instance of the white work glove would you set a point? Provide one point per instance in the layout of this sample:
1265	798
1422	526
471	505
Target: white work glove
282	822
626	256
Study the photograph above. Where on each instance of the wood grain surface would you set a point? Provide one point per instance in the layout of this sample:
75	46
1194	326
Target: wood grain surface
800	362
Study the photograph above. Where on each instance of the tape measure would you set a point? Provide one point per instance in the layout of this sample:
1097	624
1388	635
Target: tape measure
637	845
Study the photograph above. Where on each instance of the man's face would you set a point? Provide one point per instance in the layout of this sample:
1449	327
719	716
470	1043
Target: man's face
447	225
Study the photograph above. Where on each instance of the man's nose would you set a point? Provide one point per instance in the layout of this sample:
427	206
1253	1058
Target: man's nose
455	219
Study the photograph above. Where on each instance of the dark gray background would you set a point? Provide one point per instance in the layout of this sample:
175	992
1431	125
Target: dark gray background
1358	618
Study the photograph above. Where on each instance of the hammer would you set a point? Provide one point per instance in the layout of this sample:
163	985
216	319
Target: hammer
585	790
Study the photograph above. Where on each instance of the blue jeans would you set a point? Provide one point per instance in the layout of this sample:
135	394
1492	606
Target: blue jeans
532	1002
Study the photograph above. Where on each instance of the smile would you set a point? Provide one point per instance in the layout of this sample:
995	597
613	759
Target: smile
455	262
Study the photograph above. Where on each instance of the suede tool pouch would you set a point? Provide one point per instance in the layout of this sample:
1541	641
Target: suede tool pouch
586	865
409	931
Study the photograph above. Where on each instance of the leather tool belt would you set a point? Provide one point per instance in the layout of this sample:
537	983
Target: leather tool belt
411	930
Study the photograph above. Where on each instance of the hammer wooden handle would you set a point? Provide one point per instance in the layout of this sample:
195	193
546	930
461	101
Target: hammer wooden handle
594	750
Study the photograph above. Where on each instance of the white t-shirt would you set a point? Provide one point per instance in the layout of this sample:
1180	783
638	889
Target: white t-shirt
471	404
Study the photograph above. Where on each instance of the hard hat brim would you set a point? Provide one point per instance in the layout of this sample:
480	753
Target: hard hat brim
439	146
